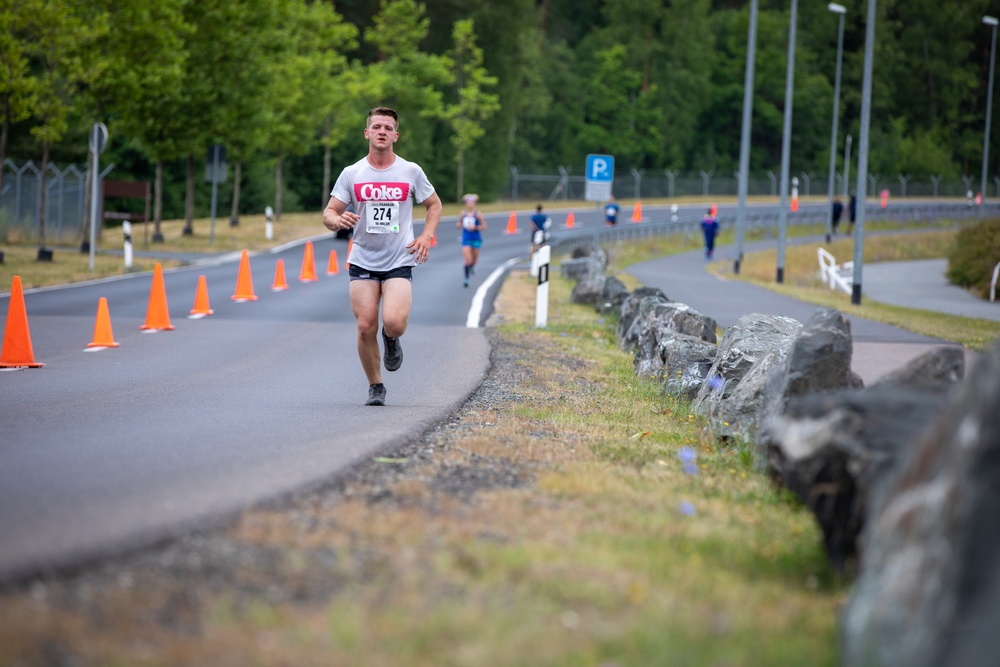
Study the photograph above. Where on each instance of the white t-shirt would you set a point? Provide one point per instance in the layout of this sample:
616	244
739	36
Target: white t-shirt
383	198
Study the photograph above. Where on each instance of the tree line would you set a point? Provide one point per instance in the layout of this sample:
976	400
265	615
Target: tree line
481	86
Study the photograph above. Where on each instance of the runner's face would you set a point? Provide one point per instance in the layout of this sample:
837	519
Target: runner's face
381	132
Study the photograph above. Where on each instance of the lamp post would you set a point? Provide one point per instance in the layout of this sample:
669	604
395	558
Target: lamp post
866	116
992	22
840	10
786	143
745	135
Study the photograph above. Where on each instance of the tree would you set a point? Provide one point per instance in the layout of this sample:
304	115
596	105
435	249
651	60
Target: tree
61	35
474	104
18	86
305	74
142	72
404	77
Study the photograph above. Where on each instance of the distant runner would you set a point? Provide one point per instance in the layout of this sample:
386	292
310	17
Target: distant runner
472	224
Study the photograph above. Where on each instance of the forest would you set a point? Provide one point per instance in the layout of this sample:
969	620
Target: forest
481	86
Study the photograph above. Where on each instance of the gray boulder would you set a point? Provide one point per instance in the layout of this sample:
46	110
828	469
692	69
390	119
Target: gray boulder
589	289
580	268
613	295
942	365
928	589
629	325
834	450
731	395
687	361
593	251
819	360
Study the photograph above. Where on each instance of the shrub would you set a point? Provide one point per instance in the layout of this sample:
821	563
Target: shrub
976	252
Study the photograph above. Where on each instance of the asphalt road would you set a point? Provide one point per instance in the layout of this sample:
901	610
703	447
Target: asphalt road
112	449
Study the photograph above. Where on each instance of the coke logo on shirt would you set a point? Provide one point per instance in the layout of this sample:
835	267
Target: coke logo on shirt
381	191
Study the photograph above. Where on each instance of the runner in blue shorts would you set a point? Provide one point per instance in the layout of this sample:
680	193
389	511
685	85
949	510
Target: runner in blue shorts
472	224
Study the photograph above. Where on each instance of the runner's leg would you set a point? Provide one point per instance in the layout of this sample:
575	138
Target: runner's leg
397	298
365	296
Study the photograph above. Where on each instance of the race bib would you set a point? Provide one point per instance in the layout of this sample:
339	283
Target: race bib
382	217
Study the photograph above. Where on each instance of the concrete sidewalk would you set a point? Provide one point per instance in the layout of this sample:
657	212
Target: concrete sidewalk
878	348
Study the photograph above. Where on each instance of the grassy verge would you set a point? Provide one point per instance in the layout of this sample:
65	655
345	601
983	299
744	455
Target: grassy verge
569	515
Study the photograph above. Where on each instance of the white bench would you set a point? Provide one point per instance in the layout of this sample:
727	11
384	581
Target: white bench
833	274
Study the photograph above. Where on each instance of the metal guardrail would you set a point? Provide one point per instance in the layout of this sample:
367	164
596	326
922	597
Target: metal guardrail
688	222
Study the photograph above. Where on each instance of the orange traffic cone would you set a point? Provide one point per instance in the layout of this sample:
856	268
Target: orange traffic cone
331	266
434	241
795	204
713	210
157	314
637	212
279	283
244	281
102	329
570	220
308	272
350	247
201	307
512	223
17	352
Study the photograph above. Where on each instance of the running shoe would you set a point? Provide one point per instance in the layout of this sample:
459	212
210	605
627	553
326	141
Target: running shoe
466	283
393	352
376	394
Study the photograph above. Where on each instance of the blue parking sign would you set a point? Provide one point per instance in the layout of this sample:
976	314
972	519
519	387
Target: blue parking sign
600	168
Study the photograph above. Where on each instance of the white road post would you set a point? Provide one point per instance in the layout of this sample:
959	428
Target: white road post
127	233
542	294
268	223
539	239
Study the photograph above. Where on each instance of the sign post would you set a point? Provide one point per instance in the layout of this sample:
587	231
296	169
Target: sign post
542	293
98	142
600	176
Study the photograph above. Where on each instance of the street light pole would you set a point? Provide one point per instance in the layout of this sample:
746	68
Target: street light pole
992	22
786	143
866	117
745	136
841	10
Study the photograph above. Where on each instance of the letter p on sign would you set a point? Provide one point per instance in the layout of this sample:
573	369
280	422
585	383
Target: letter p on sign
600	168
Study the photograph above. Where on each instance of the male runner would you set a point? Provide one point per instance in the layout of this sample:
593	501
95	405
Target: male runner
382	187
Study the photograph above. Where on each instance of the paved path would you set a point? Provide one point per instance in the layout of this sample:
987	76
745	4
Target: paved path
878	348
922	284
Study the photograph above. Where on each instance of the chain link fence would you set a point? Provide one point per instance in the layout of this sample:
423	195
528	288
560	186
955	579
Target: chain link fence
642	184
21	197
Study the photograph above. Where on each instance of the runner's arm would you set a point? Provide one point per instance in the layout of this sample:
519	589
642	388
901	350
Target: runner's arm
336	216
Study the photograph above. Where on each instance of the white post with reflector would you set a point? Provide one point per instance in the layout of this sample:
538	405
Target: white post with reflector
127	233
